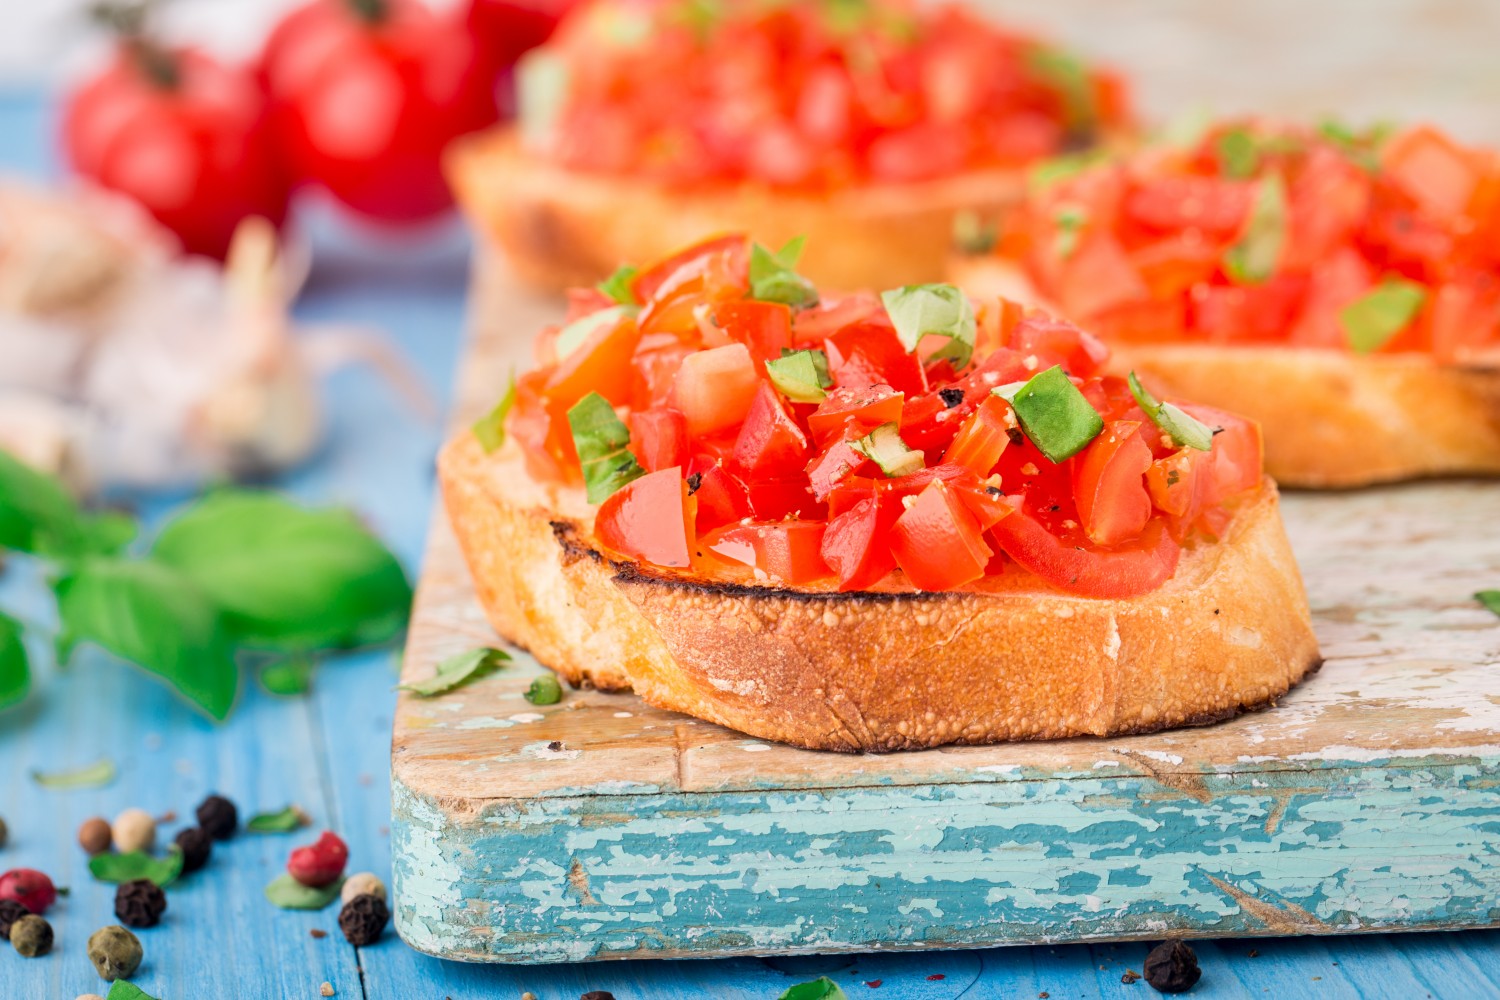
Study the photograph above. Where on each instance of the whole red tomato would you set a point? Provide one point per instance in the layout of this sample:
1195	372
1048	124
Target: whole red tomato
504	30
183	134
365	96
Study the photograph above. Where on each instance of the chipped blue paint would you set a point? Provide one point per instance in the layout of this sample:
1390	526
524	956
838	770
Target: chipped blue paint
1330	848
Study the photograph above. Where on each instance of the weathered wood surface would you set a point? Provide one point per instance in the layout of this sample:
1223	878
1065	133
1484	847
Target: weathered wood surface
602	828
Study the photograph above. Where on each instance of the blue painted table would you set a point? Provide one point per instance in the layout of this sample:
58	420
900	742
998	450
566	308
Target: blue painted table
330	753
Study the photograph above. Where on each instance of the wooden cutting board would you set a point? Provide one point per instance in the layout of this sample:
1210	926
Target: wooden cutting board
598	828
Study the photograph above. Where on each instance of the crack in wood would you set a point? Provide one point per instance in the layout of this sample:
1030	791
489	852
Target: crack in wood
579	880
1288	918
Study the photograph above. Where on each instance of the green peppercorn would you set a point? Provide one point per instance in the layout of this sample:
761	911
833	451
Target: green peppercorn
115	952
31	936
544	690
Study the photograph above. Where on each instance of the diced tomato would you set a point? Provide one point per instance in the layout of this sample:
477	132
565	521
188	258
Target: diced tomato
861	409
937	542
1173	264
786	551
1178	483
1054	342
657	358
812	326
1110	486
1338	280
659	439
714	388
871	354
650	519
857	543
1129	570
542	431
600	364
1212	205
765	328
721	497
836	463
995	323
1237	452
1098	276
774	499
929	422
770	443
1431	169
1236	313
648	283
982	437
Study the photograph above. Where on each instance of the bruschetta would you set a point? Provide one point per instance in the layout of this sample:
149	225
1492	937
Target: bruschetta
646	125
1341	289
871	522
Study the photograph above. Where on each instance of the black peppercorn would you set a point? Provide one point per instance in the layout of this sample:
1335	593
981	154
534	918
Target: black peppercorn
218	817
196	846
598	995
140	903
1172	967
10	912
363	918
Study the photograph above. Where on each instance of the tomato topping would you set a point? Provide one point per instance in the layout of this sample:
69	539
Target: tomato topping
1266	233
806	95
705	456
650	519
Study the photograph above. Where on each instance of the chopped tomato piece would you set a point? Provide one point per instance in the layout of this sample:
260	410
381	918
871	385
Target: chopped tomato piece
787	551
714	388
982	437
857	409
722	499
650	519
857	543
871	354
817	323
772	500
1208	204
770	442
1130	570
1053	342
1237	452
600	364
765	328
835	464
1110	486
1178	484
649	282
1100	276
659	439
1433	170
936	541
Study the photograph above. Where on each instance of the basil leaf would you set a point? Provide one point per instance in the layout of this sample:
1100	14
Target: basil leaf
490	428
287	820
796	375
38	516
1371	320
617	285
289	894
571	337
774	277
1253	258
150	614
919	311
544	690
973	234
1069	77
602	441
15	670
885	448
1070	220
129	867
1184	428
289	677
122	990
1238	153
821	988
1053	414
1490	599
542	83
286	577
458	670
96	775
1051	172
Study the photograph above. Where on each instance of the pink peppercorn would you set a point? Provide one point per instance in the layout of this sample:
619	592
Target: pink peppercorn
319	864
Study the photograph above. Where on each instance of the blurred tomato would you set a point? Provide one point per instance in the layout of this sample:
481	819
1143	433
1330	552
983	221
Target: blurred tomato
503	30
181	133
365	95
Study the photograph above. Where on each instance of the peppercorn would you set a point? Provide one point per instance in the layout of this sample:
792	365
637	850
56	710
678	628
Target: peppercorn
1172	967
29	887
88	996
362	884
140	903
598	995
10	912
196	846
320	863
115	952
31	936
218	817
134	830
95	836
363	919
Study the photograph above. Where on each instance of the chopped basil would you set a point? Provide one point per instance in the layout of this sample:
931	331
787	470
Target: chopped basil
602	441
617	285
1363	148
1049	172
1066	74
1238	153
774	277
1490	599
1186	129
1183	428
1053	413
490	428
919	311
884	447
796	374
1375	317
542	82
1253	259
1070	220
973	234
572	336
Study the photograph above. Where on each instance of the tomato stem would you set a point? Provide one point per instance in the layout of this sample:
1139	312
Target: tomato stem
127	21
370	11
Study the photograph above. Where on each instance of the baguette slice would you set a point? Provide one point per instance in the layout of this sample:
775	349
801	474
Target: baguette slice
561	228
1330	419
892	670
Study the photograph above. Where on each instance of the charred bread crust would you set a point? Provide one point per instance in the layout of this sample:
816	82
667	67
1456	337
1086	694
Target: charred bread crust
890	670
1330	419
560	228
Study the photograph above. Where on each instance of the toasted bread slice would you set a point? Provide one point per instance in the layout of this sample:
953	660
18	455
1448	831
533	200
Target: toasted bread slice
890	670
1329	418
560	228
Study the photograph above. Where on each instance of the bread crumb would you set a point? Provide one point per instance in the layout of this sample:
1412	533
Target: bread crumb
326	990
